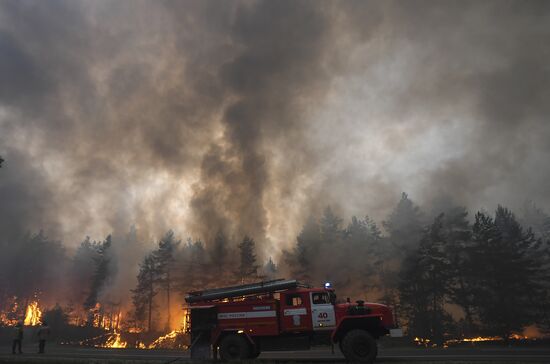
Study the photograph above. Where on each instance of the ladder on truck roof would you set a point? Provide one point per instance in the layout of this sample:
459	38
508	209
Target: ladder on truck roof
242	290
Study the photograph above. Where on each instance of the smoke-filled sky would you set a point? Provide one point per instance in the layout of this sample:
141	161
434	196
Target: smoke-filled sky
247	116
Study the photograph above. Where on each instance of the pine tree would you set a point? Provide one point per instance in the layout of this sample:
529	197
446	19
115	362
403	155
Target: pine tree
535	218
373	230
36	265
543	314
458	244
218	255
102	271
506	279
330	227
404	228
193	267
375	266
361	239
164	261
423	285
414	296
82	269
145	291
356	232
198	264
300	259
404	225
248	269
270	269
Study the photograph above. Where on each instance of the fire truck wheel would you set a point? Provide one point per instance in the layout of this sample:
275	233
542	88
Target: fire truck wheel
234	348
359	346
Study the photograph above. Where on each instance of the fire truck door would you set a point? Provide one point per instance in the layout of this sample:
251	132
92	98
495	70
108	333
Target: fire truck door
295	312
322	311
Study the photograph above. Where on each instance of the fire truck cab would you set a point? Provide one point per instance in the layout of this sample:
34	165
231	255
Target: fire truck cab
240	322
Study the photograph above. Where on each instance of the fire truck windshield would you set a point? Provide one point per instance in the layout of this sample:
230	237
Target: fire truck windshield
319	298
332	297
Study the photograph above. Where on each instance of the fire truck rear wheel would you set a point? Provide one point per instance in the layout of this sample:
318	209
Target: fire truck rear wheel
234	347
359	346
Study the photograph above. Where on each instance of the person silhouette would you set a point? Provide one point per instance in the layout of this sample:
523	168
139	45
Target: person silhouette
17	338
43	334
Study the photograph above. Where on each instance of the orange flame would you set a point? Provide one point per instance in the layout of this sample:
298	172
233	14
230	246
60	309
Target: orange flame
33	316
428	343
162	341
9	318
115	342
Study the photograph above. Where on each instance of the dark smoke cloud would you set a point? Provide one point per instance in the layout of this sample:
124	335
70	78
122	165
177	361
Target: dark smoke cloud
247	116
278	66
26	202
500	61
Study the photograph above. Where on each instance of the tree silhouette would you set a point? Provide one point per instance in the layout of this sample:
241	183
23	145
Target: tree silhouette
330	227
270	269
301	258
423	285
458	235
164	263
506	273
218	255
144	293
404	227
102	270
248	269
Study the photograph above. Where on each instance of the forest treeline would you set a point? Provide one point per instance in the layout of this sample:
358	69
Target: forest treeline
444	276
445	273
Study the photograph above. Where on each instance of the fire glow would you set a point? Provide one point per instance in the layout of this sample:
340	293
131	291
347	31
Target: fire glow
162	341
108	320
115	342
171	340
9	317
33	316
477	339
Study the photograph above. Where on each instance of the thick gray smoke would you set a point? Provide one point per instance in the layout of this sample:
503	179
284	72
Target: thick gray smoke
247	116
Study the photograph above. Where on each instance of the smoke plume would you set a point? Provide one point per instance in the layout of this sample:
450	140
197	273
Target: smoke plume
248	116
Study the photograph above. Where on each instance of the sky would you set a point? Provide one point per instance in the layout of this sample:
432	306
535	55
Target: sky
249	116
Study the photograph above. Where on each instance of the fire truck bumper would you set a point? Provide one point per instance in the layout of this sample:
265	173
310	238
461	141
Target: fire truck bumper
397	332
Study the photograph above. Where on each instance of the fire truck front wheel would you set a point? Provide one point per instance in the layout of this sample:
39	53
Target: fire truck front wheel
234	347
358	346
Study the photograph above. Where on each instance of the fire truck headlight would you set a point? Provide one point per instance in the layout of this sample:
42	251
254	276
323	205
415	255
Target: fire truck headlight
328	285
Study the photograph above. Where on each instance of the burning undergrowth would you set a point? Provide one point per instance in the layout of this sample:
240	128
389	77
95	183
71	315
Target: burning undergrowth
99	327
531	336
176	339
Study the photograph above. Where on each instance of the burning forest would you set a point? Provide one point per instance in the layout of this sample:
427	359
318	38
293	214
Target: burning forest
149	149
442	278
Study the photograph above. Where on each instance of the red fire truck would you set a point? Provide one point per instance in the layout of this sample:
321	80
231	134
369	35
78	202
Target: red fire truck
240	322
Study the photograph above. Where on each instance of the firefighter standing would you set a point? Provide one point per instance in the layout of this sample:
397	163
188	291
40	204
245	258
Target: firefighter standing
43	334
17	338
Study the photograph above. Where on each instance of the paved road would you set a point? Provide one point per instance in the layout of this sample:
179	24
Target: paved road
515	355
